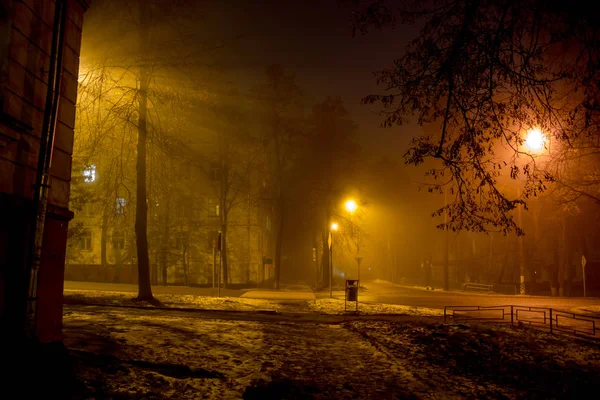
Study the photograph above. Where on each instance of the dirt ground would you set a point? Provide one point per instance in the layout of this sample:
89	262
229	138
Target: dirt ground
125	353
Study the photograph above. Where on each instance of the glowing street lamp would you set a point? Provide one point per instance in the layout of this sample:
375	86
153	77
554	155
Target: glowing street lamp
535	139
351	206
334	226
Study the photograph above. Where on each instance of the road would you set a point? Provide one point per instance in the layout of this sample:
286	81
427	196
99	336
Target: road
384	292
376	291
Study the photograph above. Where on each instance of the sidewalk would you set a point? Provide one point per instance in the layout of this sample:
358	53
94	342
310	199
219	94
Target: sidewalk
157	289
457	291
286	292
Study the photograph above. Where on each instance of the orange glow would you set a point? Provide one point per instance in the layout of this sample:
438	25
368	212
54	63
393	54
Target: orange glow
535	139
351	206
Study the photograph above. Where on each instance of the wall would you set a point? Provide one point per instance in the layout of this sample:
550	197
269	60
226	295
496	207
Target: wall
25	41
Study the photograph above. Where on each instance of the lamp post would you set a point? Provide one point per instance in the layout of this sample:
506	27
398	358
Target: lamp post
534	141
351	207
334	227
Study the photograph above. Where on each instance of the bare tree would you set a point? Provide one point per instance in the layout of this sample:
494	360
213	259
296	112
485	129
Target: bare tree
485	73
280	96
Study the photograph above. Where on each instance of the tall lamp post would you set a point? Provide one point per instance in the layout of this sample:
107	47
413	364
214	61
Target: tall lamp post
334	227
534	141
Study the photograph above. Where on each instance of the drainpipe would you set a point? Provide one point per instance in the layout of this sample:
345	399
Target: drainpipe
40	198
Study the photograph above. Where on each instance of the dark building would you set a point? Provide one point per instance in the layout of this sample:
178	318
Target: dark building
27	28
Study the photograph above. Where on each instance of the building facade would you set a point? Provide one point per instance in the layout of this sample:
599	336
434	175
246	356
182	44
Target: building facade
26	32
185	216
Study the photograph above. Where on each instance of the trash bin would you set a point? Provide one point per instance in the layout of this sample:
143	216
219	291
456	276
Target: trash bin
351	290
352	293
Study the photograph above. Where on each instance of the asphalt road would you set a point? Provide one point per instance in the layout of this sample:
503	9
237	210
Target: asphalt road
383	292
376	291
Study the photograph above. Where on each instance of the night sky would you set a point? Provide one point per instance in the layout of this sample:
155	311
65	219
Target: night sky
313	39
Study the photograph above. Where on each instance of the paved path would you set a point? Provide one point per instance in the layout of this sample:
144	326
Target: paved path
376	292
385	292
124	287
287	292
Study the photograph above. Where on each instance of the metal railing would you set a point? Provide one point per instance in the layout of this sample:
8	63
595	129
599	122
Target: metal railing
477	287
554	320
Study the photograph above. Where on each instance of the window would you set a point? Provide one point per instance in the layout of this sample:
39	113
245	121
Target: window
89	173
268	224
120	206
85	240
214	171
118	239
213	207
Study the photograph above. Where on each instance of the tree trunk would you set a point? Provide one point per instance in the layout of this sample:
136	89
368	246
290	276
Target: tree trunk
325	258
279	241
185	266
141	214
164	248
249	245
103	240
563	258
224	261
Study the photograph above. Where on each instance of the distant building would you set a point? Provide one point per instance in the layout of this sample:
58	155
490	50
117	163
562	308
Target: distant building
26	30
183	226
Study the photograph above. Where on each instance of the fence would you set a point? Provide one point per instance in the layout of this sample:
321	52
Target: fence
488	288
540	317
476	287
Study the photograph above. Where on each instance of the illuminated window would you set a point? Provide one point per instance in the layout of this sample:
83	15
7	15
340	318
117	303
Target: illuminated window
85	240
89	174
120	206
213	207
118	239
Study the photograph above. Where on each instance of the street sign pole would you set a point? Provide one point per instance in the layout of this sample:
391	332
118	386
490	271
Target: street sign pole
358	260
214	266
219	245
214	263
583	262
316	268
330	243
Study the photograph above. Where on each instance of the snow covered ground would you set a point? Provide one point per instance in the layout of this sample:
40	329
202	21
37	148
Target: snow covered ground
279	301
152	354
589	310
336	306
169	300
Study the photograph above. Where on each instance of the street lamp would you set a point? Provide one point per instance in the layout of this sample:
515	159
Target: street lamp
334	227
534	142
351	206
535	139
